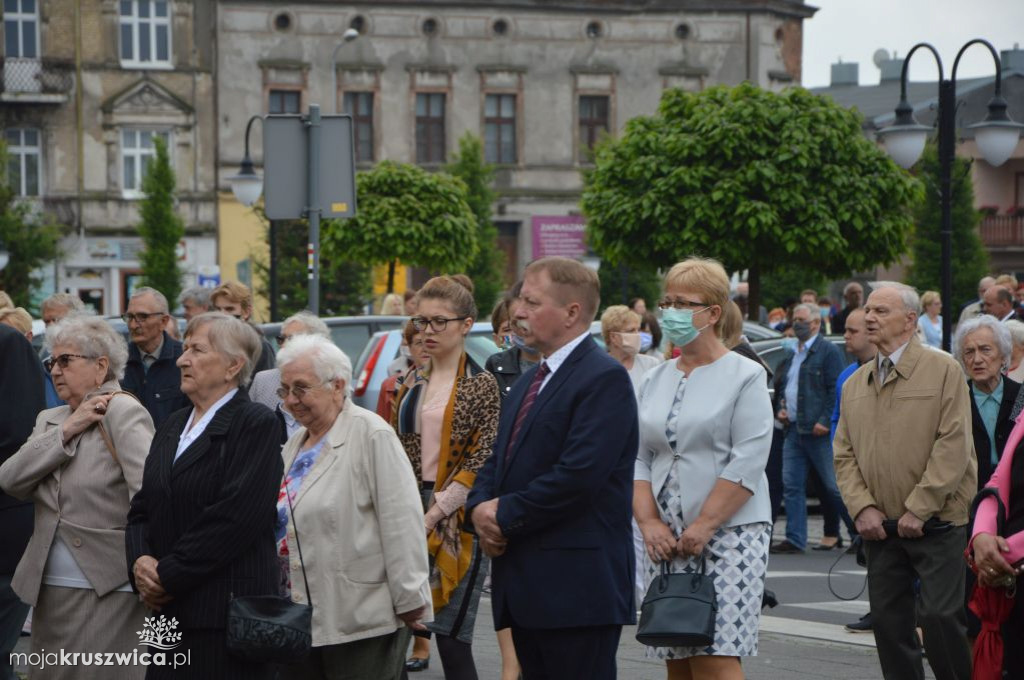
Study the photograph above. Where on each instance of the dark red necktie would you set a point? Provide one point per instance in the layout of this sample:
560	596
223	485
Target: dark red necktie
524	408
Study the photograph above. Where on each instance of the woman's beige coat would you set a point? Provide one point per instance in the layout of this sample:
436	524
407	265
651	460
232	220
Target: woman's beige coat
80	491
360	522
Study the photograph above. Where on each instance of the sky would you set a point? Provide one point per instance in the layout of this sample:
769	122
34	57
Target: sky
852	30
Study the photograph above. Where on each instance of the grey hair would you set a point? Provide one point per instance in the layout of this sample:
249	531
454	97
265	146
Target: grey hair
93	337
161	300
231	338
197	294
999	331
328	360
812	310
850	285
909	296
70	302
1016	329
313	324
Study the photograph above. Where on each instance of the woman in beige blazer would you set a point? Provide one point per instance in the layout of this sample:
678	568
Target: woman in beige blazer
81	467
355	505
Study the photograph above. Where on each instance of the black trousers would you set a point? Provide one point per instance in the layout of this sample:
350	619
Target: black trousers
937	561
562	653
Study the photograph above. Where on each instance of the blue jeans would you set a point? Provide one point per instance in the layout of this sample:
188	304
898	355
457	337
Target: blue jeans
798	452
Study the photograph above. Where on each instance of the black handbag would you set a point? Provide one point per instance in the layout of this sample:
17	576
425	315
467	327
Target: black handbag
679	609
270	628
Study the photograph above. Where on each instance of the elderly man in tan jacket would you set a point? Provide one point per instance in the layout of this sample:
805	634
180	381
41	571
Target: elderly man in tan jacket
903	451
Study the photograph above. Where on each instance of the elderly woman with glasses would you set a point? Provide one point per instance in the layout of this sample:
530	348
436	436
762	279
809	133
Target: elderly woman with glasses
81	466
201	530
355	510
446	415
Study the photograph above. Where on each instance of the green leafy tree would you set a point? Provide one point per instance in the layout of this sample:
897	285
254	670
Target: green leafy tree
622	283
781	284
970	260
406	214
30	239
161	227
345	286
486	268
759	180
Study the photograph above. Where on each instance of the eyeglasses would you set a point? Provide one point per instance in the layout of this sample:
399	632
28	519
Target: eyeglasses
63	360
438	323
298	390
141	317
281	339
680	303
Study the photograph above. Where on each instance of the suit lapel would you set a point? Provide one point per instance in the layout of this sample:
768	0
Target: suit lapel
217	428
335	441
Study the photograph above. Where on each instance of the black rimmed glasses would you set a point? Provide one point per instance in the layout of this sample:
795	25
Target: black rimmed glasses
141	317
63	360
438	323
681	303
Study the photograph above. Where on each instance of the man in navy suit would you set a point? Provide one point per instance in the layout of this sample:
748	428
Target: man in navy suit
552	505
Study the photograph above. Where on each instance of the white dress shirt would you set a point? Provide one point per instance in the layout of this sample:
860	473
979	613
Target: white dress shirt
559	356
192	432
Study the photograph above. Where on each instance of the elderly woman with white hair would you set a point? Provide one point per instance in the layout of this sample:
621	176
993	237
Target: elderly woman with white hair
355	507
201	530
80	467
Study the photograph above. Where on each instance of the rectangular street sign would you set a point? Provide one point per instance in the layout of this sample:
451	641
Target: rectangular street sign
286	161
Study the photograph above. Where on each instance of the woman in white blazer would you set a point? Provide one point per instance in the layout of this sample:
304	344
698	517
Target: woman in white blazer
700	488
355	505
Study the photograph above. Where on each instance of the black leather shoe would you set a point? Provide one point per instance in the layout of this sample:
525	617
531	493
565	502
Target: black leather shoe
415	665
838	545
785	548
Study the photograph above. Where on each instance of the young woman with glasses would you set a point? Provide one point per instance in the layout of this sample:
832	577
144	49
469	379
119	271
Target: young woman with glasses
446	415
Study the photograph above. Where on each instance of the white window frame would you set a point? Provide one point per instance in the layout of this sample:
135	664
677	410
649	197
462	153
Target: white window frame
21	151
20	18
149	24
139	154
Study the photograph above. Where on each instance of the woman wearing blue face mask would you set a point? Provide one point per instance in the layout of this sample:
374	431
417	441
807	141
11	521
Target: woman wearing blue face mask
705	433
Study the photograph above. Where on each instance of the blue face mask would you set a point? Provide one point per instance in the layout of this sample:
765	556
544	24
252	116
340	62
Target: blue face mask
677	325
646	342
790	344
507	342
521	344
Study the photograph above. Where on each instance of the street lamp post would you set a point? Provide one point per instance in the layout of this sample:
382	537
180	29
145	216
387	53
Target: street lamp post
346	37
905	139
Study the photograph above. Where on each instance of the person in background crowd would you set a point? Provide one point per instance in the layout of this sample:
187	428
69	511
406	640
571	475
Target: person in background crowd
500	328
52	310
5	300
973	309
355	510
194	301
805	387
1007	281
809	296
825	309
930	323
151	373
265	384
862	350
17	318
983	347
508	365
638	305
1016	369
201	529
446	416
998	301
853	295
552	505
700	489
22	397
1019	294
742	297
934	476
409	301
733	338
777	318
171	328
620	330
650	335
413	354
393	305
235	299
81	466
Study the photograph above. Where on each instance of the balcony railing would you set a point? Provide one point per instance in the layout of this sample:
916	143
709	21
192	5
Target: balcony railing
1002	230
36	80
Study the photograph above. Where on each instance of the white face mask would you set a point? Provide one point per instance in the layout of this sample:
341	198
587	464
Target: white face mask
630	343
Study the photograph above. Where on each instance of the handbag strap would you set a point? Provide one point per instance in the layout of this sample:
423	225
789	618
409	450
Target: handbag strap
103	431
702	567
1000	513
298	545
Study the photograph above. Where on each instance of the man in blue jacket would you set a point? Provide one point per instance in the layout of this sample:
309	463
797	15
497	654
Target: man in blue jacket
152	373
805	387
552	505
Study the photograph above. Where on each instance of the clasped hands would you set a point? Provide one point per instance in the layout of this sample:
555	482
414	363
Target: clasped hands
993	569
485	521
147	580
662	544
869	525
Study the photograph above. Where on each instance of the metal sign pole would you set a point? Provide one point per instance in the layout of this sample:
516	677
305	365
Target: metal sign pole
313	207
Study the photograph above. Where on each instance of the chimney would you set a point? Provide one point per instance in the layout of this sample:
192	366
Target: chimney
891	70
845	74
1013	60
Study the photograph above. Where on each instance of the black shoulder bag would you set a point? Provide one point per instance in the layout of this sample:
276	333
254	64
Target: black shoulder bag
270	628
679	609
